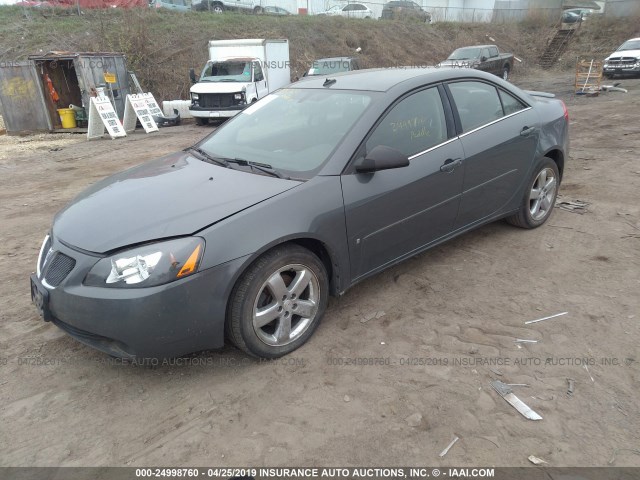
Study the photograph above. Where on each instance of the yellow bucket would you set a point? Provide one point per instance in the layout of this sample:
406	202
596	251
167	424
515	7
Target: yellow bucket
67	117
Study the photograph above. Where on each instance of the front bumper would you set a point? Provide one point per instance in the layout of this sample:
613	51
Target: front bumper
632	69
219	112
166	321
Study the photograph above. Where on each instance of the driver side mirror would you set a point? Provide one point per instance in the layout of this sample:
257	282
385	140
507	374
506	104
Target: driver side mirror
483	58
192	75
381	158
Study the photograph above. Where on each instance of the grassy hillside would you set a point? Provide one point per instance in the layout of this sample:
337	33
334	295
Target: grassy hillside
161	45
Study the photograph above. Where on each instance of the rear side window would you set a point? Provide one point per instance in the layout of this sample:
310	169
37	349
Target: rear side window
510	103
414	125
493	51
477	103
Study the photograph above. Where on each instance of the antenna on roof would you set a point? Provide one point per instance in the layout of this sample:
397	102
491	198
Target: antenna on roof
328	82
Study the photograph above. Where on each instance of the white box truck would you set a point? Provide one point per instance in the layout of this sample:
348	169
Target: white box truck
238	73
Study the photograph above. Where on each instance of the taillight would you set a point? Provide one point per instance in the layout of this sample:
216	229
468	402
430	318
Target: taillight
566	112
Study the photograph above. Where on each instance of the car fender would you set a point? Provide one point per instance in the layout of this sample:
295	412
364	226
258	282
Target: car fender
314	211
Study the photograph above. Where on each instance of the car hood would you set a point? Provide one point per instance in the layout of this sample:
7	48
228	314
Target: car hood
219	87
624	53
175	195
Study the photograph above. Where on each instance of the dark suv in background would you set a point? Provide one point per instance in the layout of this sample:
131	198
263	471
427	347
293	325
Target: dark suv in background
405	9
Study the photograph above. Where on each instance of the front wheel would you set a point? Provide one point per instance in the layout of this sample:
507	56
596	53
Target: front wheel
539	198
217	8
202	121
278	302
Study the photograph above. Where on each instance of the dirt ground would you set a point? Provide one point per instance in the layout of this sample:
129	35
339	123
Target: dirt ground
445	327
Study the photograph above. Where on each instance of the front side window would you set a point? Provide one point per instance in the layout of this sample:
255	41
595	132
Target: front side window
414	125
477	103
257	73
493	51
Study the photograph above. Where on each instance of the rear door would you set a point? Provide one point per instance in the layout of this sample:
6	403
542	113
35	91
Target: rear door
499	134
394	213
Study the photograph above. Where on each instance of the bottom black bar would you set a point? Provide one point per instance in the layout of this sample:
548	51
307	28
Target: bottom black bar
329	473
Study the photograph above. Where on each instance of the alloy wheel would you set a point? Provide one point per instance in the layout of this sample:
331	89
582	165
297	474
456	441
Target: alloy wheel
286	305
543	194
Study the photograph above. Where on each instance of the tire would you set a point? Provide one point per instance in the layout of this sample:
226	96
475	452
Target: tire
258	10
539	197
202	121
282	283
217	8
505	73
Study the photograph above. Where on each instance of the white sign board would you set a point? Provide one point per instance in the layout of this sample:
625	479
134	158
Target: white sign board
102	115
139	106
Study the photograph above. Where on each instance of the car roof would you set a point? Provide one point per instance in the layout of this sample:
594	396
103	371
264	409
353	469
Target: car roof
476	46
334	59
384	79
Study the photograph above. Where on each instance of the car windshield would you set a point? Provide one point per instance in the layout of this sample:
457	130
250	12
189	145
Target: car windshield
464	54
310	125
325	67
630	45
229	71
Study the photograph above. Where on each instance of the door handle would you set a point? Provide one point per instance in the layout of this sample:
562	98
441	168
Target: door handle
527	131
450	165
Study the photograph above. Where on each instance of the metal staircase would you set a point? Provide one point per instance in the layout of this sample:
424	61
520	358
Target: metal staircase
556	47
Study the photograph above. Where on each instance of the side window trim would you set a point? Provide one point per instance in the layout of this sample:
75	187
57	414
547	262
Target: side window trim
348	169
491	123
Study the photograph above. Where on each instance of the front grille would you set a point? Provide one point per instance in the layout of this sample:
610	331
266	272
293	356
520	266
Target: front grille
59	267
215	100
622	61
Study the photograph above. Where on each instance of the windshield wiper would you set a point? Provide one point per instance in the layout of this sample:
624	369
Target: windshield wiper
261	167
218	160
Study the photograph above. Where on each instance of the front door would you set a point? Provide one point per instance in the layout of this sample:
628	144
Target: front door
259	80
393	213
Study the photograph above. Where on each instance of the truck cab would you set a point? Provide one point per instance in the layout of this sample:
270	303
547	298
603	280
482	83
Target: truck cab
229	83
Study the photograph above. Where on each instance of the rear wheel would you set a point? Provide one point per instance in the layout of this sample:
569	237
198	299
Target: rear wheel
202	121
505	73
258	10
278	302
217	8
539	198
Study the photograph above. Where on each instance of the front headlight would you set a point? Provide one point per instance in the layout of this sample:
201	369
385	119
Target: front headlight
238	96
195	96
148	265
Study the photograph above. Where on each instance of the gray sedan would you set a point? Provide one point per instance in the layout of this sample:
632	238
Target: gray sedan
304	194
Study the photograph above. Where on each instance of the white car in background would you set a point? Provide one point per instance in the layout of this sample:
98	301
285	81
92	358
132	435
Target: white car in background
351	10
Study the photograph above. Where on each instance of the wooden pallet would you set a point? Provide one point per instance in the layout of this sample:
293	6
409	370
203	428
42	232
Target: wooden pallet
588	76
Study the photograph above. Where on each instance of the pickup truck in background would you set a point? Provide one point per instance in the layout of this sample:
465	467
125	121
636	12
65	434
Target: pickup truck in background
481	57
